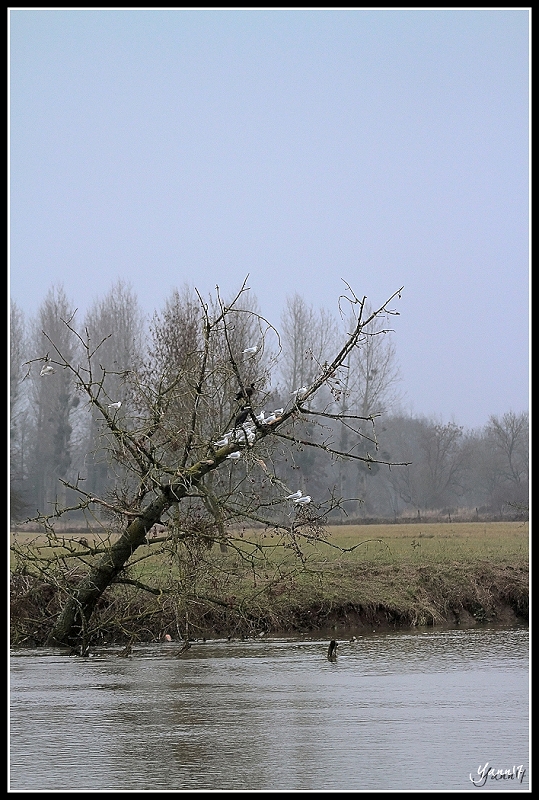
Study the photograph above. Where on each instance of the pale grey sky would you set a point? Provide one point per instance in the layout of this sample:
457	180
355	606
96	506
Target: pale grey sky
384	147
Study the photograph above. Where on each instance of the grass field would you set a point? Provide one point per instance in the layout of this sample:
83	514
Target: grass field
417	572
433	543
360	576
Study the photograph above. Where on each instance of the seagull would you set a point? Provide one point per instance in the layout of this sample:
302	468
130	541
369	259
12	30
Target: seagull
294	496
114	405
247	392
302	501
272	417
299	392
46	369
222	442
246	434
250	351
248	425
235	455
260	417
278	411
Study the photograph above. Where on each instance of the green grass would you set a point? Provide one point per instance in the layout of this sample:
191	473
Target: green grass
404	574
415	572
416	544
345	549
434	543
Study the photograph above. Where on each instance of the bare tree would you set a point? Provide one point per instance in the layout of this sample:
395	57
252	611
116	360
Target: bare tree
509	435
189	479
17	349
18	411
446	462
505	460
439	458
52	399
116	324
373	372
367	389
308	338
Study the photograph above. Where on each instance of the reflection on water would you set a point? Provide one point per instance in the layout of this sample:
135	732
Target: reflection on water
398	711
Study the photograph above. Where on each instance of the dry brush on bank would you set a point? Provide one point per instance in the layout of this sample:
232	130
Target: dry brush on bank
356	578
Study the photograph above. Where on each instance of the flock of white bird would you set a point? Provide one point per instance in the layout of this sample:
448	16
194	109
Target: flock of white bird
245	430
245	434
299	498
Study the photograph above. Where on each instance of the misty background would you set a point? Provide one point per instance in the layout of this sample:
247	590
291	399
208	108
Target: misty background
408	464
306	149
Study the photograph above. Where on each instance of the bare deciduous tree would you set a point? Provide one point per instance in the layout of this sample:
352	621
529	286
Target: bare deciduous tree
53	397
504	461
309	336
18	417
510	435
439	462
185	478
116	325
367	389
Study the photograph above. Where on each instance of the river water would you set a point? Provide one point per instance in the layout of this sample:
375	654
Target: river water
402	711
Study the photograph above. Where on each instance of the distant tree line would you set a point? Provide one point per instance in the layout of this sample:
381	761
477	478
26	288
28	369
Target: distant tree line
55	439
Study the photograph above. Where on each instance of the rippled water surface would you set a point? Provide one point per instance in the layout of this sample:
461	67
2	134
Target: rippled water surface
400	711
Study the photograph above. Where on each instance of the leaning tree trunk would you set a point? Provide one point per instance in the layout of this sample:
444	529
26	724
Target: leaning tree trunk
71	626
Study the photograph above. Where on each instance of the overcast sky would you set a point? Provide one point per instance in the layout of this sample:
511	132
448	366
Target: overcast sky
384	147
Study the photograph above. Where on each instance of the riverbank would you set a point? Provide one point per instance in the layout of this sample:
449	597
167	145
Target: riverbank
362	578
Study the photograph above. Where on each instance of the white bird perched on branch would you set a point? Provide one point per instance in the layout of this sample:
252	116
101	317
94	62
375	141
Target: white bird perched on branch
299	392
302	501
222	442
294	496
250	433
245	435
278	411
250	351
46	369
234	456
114	405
